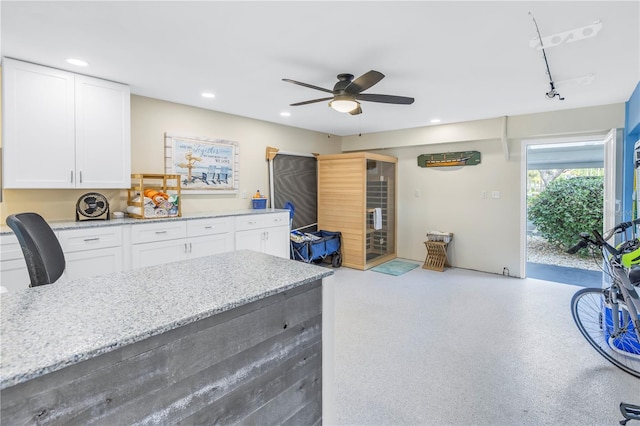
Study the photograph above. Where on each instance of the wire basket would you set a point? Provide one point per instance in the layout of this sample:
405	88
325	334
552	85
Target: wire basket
444	237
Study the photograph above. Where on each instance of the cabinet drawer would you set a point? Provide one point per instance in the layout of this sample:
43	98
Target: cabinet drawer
248	222
200	227
10	248
161	231
258	221
90	239
276	219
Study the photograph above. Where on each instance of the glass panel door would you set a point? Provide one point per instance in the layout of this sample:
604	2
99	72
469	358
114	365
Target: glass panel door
381	214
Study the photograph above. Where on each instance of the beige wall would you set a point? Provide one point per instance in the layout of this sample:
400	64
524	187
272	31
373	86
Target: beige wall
450	200
487	231
150	119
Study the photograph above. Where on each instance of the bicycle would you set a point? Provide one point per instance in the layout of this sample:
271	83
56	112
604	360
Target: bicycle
609	317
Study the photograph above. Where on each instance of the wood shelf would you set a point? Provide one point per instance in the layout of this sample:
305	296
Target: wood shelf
165	195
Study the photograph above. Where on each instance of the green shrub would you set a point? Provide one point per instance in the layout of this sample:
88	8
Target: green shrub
567	207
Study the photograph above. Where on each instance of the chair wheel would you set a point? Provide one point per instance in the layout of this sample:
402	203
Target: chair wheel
336	260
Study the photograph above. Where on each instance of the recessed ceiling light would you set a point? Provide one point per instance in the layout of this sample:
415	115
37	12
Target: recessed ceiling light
285	114
208	95
77	62
435	120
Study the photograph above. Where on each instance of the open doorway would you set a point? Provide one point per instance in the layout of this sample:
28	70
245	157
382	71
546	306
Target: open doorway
565	188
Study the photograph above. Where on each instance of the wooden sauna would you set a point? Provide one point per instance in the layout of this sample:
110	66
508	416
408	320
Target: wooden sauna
357	195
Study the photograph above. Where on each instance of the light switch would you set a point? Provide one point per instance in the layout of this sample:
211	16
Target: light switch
416	193
495	194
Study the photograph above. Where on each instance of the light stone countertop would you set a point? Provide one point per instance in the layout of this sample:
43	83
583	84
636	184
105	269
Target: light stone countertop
64	225
44	329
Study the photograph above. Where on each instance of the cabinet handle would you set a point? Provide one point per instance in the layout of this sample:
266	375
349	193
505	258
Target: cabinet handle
190	247
185	247
161	232
80	176
86	240
251	223
71	176
208	227
266	235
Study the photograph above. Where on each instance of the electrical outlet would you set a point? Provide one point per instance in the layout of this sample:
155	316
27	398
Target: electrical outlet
495	194
484	195
244	193
416	193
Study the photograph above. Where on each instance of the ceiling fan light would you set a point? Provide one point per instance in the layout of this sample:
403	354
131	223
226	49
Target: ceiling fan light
343	105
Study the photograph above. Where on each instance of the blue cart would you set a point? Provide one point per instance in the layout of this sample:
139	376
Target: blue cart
316	247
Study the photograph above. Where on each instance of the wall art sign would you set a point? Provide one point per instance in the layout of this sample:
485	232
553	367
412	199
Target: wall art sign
205	165
449	159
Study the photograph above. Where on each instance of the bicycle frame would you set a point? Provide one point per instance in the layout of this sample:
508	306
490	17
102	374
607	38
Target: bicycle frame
628	312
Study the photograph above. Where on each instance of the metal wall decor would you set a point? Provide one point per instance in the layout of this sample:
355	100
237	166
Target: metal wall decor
449	159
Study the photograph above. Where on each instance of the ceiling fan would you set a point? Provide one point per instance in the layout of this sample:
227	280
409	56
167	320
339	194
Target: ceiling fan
347	93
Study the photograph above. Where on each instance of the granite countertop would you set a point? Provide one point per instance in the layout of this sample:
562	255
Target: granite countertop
62	225
47	328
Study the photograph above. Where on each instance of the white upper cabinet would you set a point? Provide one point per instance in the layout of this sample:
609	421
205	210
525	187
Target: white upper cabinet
103	135
63	130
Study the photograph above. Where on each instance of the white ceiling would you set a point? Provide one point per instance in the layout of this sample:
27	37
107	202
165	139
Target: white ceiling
460	60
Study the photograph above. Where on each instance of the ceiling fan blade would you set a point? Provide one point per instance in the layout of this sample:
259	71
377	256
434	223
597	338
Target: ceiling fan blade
311	101
385	99
363	82
310	86
356	111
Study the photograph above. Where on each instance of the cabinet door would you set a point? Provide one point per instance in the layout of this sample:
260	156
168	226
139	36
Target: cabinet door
151	254
14	275
277	241
212	244
13	268
39	130
250	240
91	263
103	135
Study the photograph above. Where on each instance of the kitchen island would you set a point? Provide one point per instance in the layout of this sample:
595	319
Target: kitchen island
235	337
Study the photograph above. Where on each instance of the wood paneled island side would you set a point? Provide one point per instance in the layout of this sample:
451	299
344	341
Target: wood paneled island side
235	337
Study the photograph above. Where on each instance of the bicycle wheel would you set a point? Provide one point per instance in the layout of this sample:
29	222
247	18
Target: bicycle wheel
590	315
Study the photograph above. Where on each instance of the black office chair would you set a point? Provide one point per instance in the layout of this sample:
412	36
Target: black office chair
40	246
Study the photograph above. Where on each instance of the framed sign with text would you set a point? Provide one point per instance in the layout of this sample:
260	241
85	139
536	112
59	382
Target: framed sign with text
205	165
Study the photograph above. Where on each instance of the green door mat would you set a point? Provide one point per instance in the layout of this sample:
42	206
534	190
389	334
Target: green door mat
395	267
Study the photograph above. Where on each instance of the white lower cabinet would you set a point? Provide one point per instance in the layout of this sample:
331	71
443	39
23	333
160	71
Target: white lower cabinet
91	263
158	243
158	253
91	252
101	250
87	252
13	269
264	233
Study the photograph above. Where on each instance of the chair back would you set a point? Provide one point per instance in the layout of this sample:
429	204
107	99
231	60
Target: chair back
40	246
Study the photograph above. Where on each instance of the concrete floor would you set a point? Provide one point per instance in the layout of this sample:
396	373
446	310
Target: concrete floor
466	348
